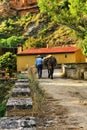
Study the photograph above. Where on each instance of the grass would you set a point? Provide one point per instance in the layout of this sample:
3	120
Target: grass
37	94
5	89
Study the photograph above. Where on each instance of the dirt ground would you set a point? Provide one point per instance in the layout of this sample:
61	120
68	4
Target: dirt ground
66	103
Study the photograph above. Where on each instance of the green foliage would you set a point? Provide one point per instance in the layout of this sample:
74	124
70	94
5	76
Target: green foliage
69	13
5	88
34	43
12	29
84	45
12	41
73	8
9	27
3	43
72	13
8	63
2	109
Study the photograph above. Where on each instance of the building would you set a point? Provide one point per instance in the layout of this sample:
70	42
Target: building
70	54
18	7
22	7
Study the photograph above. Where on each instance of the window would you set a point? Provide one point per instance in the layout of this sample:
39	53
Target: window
65	55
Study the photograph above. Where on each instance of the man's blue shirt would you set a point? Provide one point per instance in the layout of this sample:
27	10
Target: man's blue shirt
39	61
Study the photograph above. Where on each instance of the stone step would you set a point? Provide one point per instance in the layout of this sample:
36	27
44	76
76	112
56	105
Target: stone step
17	123
22	84
21	92
19	107
23	80
24	72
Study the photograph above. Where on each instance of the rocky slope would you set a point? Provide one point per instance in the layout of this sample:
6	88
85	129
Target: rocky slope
40	30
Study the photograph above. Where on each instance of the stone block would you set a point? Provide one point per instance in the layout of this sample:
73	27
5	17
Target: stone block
75	74
23	80
24	72
17	123
23	75
19	107
20	92
85	75
22	84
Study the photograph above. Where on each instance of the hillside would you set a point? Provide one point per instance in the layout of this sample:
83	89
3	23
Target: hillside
38	30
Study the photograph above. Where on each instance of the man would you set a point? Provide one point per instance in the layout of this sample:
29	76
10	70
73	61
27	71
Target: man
39	66
50	62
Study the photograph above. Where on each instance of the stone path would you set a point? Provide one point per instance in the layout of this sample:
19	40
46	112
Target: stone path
19	108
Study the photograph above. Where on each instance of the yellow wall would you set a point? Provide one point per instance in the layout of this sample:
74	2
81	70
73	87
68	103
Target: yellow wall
65	58
24	61
80	58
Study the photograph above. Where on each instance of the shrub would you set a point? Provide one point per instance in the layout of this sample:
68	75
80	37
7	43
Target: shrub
8	63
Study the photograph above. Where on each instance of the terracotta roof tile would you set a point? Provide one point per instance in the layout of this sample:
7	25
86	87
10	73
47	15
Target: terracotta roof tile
49	50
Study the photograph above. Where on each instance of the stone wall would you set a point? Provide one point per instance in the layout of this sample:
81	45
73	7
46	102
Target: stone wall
76	71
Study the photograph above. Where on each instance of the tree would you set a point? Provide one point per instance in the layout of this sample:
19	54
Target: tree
12	41
8	63
72	13
66	12
3	43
